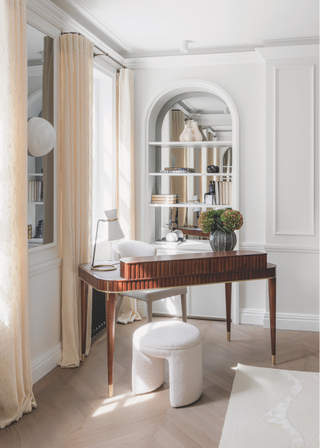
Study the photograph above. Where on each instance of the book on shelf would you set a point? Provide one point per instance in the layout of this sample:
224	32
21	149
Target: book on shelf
165	198
35	191
223	192
177	169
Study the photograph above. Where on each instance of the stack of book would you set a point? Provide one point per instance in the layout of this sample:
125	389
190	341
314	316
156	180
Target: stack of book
35	191
177	170
165	198
223	194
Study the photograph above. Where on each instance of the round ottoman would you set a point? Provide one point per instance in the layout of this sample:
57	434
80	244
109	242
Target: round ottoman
178	342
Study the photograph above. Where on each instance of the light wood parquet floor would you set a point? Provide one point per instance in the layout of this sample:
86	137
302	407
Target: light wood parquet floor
74	410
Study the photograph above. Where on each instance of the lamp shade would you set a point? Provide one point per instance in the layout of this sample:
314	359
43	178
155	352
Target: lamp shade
114	230
41	137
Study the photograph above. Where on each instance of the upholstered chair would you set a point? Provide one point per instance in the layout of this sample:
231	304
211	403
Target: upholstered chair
131	248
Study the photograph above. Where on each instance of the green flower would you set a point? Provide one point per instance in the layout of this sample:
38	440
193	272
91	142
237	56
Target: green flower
226	220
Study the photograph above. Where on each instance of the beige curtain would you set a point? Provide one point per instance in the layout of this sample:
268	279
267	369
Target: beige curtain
126	172
47	161
76	112
16	396
178	185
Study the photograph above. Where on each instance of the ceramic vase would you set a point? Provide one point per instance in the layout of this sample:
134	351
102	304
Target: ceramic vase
197	136
188	135
222	241
182	136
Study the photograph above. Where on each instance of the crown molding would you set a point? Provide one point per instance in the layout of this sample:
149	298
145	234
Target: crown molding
285	52
64	22
248	57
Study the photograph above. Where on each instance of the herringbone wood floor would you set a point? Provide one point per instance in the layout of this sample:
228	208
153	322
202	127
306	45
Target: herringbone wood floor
74	410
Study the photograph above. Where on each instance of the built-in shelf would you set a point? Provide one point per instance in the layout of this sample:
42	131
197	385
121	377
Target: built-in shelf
211	144
190	205
35	174
37	203
191	174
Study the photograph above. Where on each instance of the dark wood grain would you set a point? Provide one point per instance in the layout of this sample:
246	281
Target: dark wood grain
228	289
272	309
209	262
84	306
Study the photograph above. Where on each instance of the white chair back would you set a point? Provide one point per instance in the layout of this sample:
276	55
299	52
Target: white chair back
132	248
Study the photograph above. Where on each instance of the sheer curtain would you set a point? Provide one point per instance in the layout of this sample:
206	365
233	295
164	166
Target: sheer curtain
16	396
126	172
76	123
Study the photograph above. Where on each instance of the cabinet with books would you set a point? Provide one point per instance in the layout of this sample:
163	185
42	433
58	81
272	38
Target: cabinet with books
184	191
35	200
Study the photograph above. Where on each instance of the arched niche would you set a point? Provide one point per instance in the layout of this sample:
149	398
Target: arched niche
153	116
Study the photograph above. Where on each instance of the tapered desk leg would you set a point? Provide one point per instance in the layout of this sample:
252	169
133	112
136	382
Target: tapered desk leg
111	300
272	309
84	310
228	287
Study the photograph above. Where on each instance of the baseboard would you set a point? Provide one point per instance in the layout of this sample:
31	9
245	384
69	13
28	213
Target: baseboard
251	316
290	321
45	363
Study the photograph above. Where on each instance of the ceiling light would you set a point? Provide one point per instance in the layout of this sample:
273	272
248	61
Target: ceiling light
184	46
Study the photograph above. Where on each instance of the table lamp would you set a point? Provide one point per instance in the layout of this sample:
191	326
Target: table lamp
114	233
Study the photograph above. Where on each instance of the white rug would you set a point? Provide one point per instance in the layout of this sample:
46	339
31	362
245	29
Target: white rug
271	408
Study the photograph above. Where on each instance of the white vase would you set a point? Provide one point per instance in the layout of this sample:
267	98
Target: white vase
188	135
197	136
182	136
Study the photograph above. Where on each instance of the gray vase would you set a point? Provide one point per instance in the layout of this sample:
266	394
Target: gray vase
222	241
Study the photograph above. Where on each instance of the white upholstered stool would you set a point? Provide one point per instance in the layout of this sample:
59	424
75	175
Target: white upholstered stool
178	342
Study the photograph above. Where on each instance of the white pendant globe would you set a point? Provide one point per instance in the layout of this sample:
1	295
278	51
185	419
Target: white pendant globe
41	137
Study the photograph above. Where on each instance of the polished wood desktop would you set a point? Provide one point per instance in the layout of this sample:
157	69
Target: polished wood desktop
168	271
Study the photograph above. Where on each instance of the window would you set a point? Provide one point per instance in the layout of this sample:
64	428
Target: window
104	154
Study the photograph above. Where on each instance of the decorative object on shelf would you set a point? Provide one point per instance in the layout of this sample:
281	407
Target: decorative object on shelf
209	198
212	169
188	136
29	231
197	136
41	137
114	233
179	233
182	136
204	138
172	237
221	225
165	198
39	229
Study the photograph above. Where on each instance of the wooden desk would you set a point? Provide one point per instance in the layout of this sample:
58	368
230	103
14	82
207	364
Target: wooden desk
168	271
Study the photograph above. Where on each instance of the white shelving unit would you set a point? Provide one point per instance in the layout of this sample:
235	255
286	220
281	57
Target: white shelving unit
35	208
159	181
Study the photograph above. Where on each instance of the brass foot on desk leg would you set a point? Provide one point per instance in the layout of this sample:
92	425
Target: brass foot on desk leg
228	335
273	360
111	390
83	357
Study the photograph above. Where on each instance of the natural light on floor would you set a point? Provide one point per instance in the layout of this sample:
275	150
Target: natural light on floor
121	400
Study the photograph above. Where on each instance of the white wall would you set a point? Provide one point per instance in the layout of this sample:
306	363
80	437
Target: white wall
247	81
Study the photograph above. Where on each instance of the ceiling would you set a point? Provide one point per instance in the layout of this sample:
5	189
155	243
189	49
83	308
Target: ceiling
148	28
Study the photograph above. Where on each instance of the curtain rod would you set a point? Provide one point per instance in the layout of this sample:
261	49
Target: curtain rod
103	53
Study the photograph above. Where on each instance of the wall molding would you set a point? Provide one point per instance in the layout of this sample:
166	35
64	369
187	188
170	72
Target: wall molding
285	52
42	267
45	363
296	249
277	148
246	57
293	321
251	316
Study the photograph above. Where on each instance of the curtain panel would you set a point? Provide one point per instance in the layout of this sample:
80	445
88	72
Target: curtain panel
16	396
76	140
126	174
